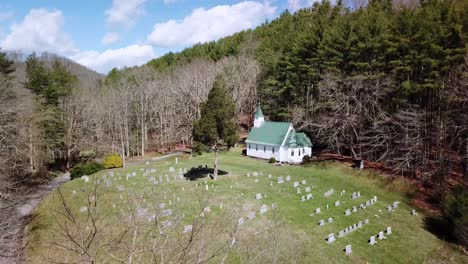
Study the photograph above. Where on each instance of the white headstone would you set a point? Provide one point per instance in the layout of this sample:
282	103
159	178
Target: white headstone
389	230
295	184
317	211
307	189
337	203
372	240
288	178
413	212
298	190
309	196
206	209
251	215
330	220
304	182
240	221
348	250
330	238
263	209
381	235
258	196
347	212
85	178
188	228
280	179
322	222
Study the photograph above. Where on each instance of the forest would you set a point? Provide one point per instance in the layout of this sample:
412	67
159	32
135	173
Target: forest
386	82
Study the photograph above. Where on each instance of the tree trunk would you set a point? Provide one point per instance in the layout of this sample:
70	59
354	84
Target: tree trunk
215	173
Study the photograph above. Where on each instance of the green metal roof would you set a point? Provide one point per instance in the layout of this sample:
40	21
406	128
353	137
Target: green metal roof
270	133
303	140
258	112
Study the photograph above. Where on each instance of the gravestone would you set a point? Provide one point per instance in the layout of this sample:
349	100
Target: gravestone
206	210
309	196
304	182
269	176
295	184
153	170
358	194
348	250
171	169
354	209
372	240
258	196
298	190
395	204
389	208
133	174
322	222
188	228
256	180
280	179
389	230
341	233
167	212
368	203
381	235
317	211
288	178
303	198
330	238
248	174
85	178
337	203
375	199
206	187
359	224
361	206
255	174
166	224
251	215
413	212
347	212
330	220
263	209
307	189
366	221
240	221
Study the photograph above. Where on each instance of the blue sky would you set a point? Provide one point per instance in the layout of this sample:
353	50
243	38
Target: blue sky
102	34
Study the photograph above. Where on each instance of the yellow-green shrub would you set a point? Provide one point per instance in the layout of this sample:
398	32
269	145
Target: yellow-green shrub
112	161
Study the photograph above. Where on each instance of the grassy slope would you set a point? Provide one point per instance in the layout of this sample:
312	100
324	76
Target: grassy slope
302	238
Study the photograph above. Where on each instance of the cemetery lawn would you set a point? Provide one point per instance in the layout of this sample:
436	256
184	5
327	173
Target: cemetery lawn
288	234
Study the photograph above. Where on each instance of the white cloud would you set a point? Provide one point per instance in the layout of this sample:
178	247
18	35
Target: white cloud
105	61
40	30
125	12
294	5
204	25
110	38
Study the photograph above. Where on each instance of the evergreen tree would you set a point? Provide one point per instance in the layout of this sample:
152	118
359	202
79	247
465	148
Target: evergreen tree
216	126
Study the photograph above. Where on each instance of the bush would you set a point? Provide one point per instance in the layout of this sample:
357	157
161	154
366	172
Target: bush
456	211
81	169
306	159
112	161
272	160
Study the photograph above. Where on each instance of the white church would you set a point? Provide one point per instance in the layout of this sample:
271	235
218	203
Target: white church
277	140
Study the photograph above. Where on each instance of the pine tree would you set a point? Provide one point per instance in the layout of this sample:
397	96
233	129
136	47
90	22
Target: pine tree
216	127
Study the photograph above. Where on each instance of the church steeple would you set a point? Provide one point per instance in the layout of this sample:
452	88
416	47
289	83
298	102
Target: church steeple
259	118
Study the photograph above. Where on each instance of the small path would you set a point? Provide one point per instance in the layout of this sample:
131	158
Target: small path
14	218
143	161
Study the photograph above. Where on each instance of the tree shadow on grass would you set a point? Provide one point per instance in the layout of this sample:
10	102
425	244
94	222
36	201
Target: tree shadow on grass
201	172
440	227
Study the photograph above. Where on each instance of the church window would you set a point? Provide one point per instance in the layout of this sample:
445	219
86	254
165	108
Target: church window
292	153
273	150
264	148
256	147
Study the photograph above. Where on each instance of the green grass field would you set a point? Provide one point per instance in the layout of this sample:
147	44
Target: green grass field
126	232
